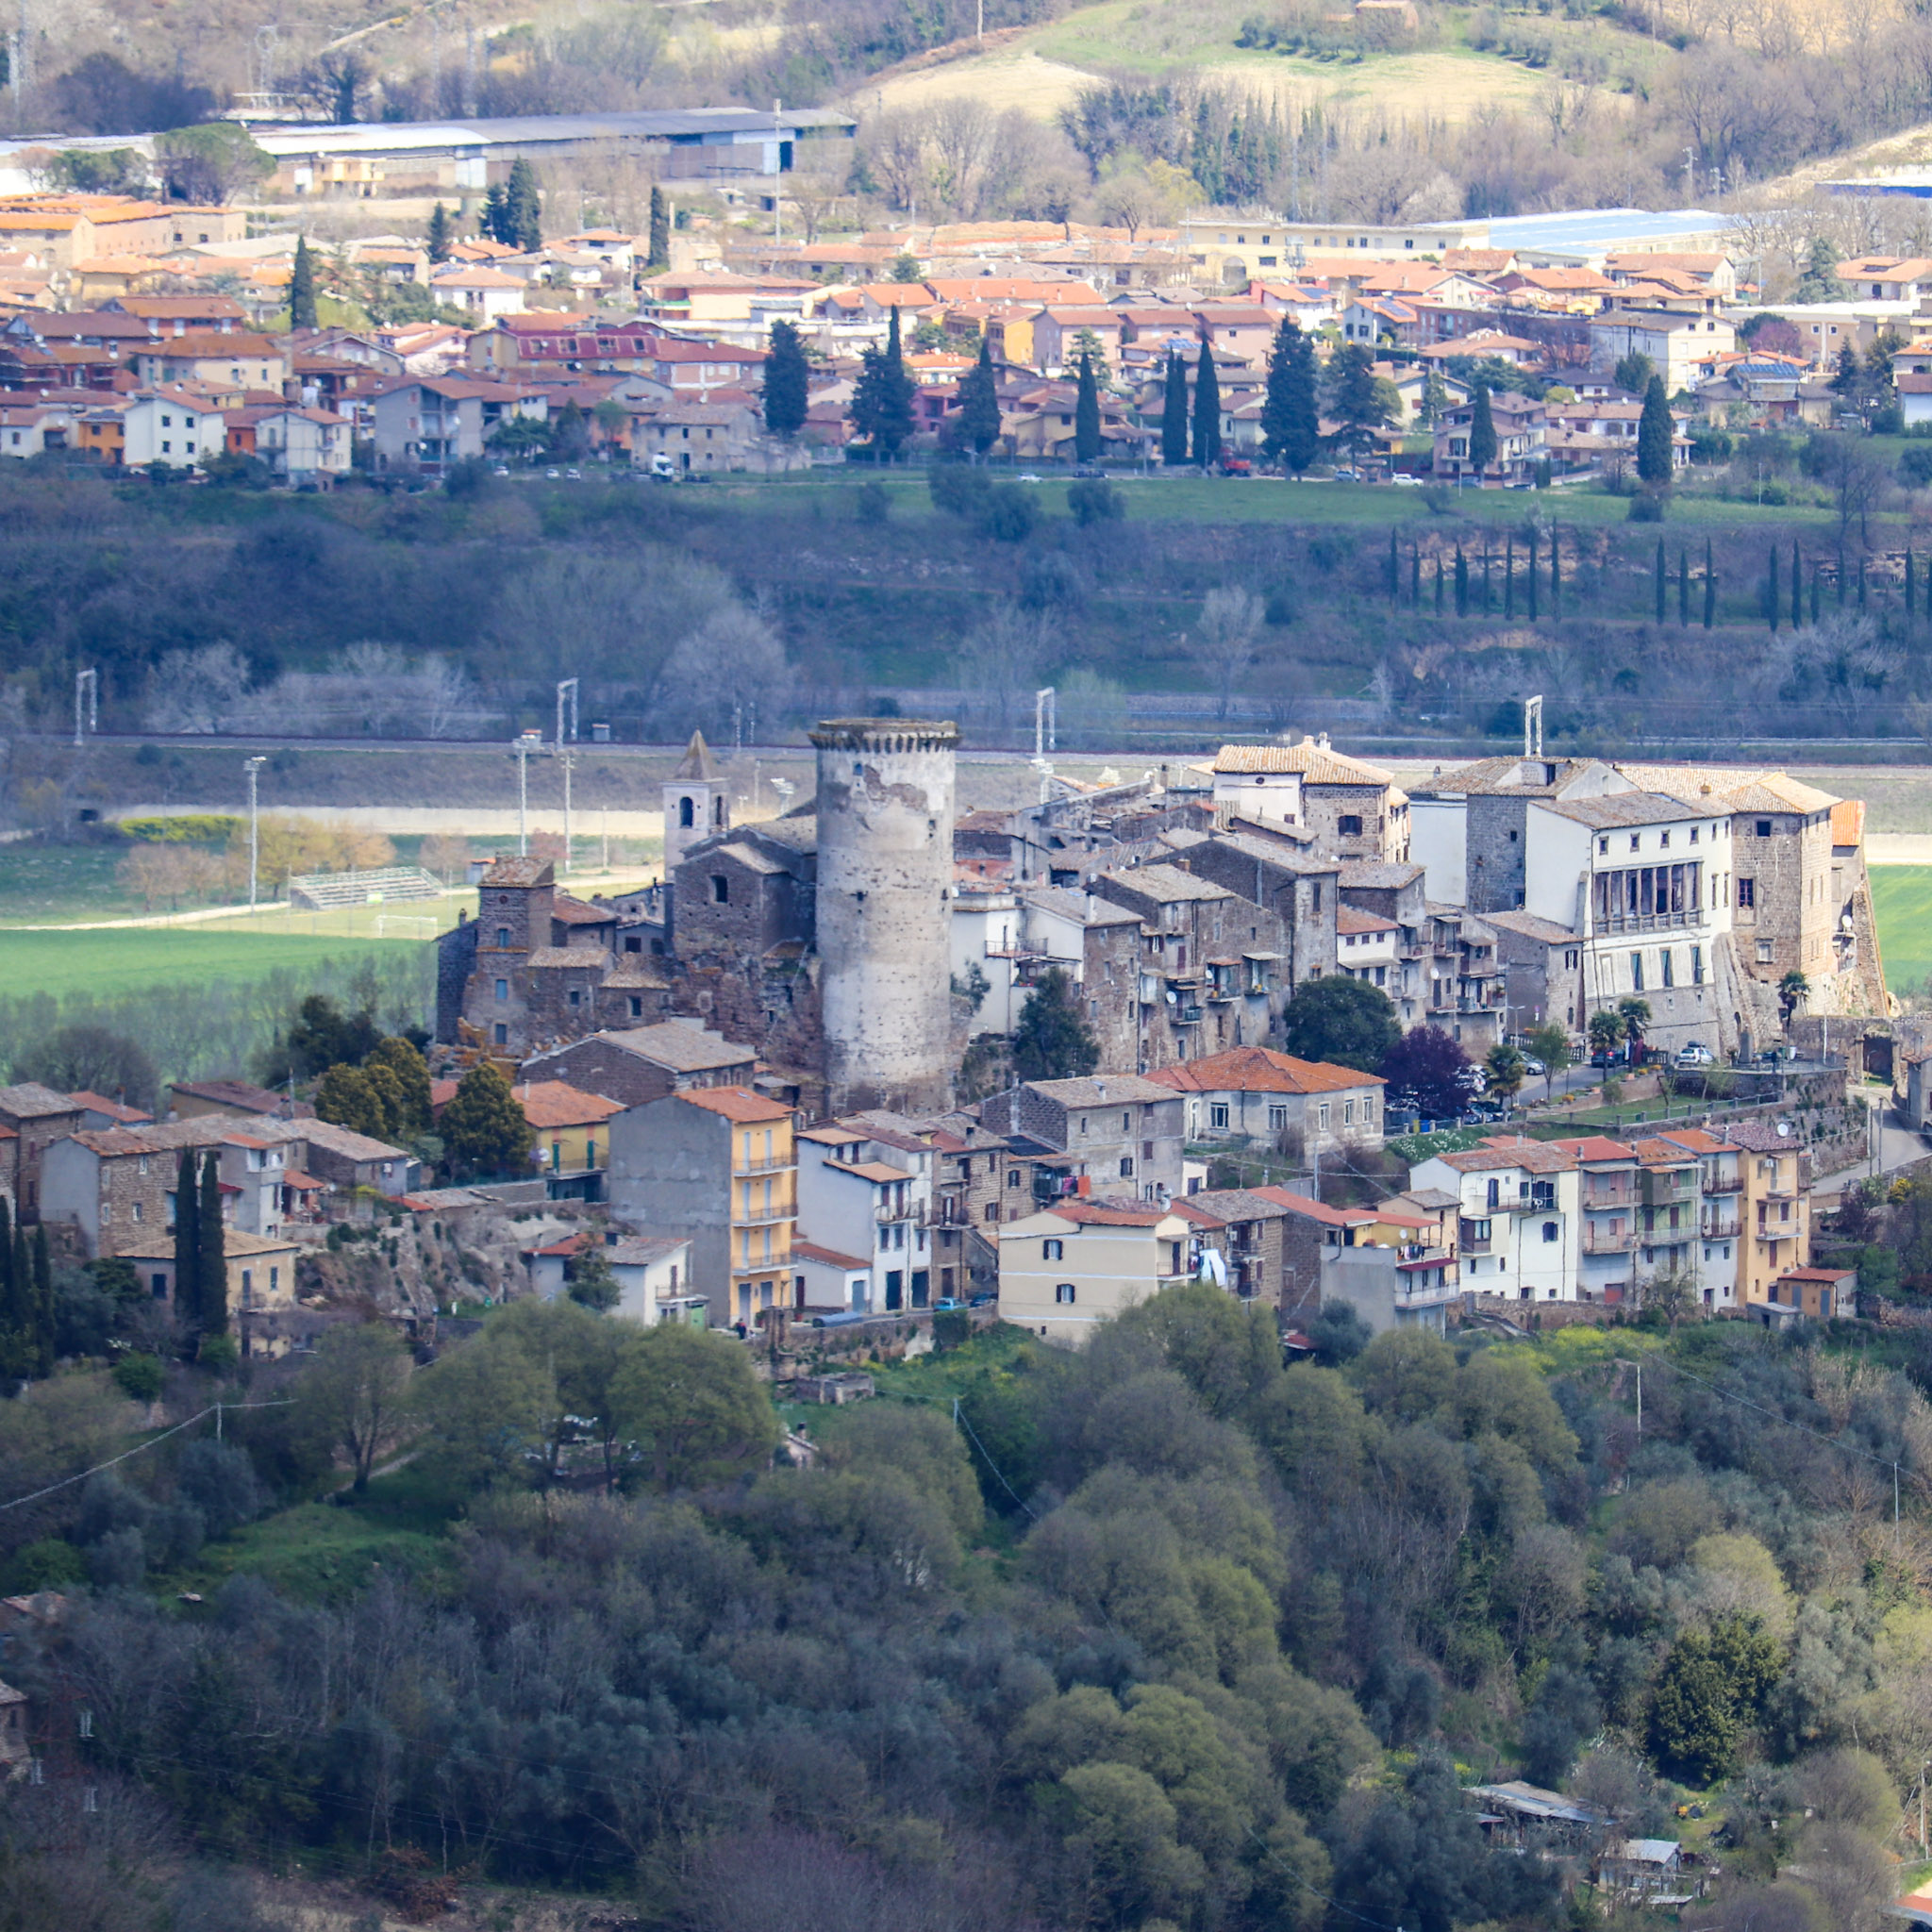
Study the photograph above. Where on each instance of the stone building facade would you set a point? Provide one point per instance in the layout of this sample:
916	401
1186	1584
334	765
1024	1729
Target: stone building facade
1120	1137
644	1064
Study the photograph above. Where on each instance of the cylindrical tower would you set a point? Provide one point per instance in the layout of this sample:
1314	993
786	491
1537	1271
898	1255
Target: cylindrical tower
885	879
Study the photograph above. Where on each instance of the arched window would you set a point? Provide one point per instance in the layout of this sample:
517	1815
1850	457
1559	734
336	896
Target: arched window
687	811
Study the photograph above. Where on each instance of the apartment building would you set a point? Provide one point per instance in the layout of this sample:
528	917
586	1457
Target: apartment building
717	1166
865	1192
1773	1210
1719	1220
1519	1217
1236	1241
1113	1136
1253	1093
1072	1266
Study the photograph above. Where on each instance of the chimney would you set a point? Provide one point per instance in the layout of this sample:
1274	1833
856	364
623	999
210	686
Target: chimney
1321	740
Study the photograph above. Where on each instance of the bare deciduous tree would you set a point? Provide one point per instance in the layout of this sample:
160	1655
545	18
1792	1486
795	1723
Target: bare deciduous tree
1224	638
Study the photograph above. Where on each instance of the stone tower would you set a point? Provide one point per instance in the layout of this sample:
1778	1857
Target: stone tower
885	879
697	806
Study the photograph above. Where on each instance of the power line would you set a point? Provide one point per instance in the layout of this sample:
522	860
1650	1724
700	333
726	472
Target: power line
213	1409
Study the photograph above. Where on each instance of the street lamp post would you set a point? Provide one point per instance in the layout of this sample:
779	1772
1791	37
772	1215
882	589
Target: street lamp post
253	766
87	704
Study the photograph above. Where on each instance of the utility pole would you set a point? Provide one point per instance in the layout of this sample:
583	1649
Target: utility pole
566	685
521	749
1045	721
87	703
778	176
253	766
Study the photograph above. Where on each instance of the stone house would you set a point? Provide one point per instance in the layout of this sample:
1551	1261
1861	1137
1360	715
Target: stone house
1354	809
1120	1136
1298	889
37	1117
1308	1230
234	1100
644	1064
349	1160
865	1189
1255	1095
1543	970
262	1280
1242	1230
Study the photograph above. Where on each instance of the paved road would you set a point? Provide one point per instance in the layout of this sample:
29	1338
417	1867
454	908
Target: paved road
1897	1147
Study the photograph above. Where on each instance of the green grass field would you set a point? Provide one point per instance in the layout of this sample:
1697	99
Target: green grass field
133	959
1902	901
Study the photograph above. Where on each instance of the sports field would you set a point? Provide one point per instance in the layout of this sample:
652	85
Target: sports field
1902	902
109	963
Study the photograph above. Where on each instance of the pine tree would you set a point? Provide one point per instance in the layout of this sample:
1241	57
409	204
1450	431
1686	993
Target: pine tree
786	384
522	209
1291	417
1659	579
211	1267
1173	412
979	402
490	221
442	232
187	1242
1654	431
1086	413
1357	398
1052	1040
661	230
1207	411
1461	583
302	287
483	1127
1709	587
1482	432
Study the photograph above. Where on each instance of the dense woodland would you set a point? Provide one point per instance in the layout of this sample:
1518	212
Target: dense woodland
1159	1635
749	610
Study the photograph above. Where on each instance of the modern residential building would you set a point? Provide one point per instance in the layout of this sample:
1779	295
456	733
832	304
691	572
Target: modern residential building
715	1166
1773	1210
1519	1232
1072	1266
865	1192
1720	1234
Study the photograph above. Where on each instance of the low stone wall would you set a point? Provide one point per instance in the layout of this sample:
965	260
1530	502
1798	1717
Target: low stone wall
1538	1315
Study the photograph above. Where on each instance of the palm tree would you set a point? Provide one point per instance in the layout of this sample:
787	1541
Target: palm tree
1605	1031
1792	989
1506	1072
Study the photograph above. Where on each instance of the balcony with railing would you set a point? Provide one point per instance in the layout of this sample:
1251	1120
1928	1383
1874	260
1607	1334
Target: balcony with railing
1616	1192
1647	922
1471	1243
1721	1227
1669	1186
1613	1240
1722	1184
1540	1200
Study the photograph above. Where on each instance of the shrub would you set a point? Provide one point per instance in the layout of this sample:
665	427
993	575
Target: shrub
1095	502
871	503
1646	509
183	828
140	1378
1915	467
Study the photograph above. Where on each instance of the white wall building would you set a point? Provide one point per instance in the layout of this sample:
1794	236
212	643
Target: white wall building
865	1193
171	427
1070	1267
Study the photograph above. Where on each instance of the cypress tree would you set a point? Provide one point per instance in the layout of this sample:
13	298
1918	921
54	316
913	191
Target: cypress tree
1207	411
1461	583
1291	417
1487	606
1482	432
1173	412
1798	583
441	231
43	1328
1771	589
522	209
1556	572
1529	578
187	1242
661	230
489	221
1439	583
1841	576
1658	576
1654	435
979	402
212	1265
1415	575
786	383
1910	609
881	405
302	287
1086	413
22	1355
1394	571
1815	594
1509	577
1709	587
1683	590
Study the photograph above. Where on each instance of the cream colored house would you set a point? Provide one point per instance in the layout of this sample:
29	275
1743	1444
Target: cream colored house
1071	1267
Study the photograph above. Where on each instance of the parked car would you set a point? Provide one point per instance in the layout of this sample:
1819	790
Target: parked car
1533	1067
1346	476
1236	466
553	475
1696	1055
1404	480
1606	1057
947	1300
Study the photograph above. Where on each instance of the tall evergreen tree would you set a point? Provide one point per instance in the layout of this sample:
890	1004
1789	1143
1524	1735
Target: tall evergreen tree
1709	586
1531	579
302	287
1683	589
1207	411
441	233
1461	583
187	1240
490	220
1086	413
211	1265
1772	582
1653	430
1357	398
43	1323
1482	431
1395	570
979	402
1052	1040
1798	583
1173	412
659	256
786	397
522	209
1439	583
1556	572
1290	416
881	408
1509	575
1910	606
22	1355
1659	581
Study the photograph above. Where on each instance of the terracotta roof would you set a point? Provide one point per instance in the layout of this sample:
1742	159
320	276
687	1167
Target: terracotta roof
1315	763
95	1103
1315	1210
1533	1157
1261	1070
1348	919
829	1257
556	1104
679	1046
1848	822
349	1145
514	871
1105	1214
879	1172
737	1103
1833	1274
30	1101
1599	1147
1699	1141
1760	1137
1107	1089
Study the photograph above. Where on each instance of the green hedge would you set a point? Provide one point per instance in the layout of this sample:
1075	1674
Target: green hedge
184	828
